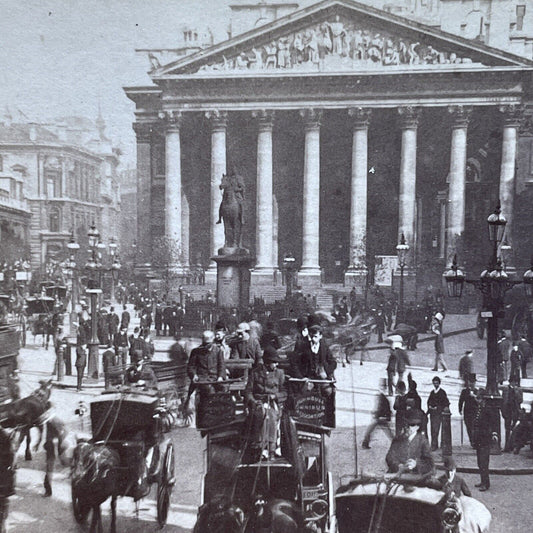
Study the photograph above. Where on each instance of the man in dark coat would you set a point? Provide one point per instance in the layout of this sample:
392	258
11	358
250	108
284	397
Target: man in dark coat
167	320
400	406
381	416
265	394
315	360
81	362
158	318
392	365
409	452
466	366
468	405
108	361
437	402
206	363
516	363
270	337
526	354
482	439
113	323
138	347
504	351
125	319
512	398
122	345
244	346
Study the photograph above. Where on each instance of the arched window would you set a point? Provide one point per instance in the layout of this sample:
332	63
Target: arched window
54	220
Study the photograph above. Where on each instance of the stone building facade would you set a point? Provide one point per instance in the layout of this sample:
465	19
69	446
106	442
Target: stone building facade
65	179
356	125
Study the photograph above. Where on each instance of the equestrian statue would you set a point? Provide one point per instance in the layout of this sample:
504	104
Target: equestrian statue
231	209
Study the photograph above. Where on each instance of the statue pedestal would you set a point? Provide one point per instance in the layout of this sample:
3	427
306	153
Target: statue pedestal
233	277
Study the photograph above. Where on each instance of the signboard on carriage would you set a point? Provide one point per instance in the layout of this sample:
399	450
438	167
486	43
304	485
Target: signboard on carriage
215	410
314	408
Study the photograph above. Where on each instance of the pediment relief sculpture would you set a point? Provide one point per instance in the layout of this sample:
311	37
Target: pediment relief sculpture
340	44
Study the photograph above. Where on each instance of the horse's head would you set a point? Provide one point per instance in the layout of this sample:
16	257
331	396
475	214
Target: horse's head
225	182
220	515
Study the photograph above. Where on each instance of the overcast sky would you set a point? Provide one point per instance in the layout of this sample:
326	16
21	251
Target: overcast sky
64	57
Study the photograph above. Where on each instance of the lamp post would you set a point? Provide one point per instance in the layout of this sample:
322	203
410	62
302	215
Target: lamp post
115	266
401	249
94	267
493	283
288	263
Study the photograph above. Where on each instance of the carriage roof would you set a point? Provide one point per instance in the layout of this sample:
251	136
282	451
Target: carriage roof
40	304
122	416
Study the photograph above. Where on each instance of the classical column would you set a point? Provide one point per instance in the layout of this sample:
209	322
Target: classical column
357	270
457	182
512	114
406	221
173	185
185	231
143	131
219	121
275	232
264	215
309	273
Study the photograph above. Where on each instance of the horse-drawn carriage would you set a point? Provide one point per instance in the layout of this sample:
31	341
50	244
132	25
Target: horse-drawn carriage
128	453
243	492
402	504
39	312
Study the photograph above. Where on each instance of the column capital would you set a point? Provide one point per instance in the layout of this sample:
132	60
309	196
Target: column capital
171	119
409	116
218	119
360	117
460	115
312	117
265	118
513	114
143	131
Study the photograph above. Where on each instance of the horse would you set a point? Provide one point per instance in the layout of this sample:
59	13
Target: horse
94	480
231	211
26	413
221	515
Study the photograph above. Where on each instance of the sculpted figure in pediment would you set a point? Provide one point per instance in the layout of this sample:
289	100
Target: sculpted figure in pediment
337	35
284	54
271	51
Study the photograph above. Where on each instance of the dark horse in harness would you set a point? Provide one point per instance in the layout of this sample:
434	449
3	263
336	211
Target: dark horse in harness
26	413
231	209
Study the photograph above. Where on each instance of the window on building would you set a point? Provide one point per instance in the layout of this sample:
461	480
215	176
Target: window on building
54	220
520	14
53	183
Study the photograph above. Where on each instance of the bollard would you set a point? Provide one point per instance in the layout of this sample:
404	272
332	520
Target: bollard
446	432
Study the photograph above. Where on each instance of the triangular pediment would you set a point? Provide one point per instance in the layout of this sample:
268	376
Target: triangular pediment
338	36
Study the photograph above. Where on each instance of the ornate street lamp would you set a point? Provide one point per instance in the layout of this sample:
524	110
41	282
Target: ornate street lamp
493	283
115	269
93	291
402	249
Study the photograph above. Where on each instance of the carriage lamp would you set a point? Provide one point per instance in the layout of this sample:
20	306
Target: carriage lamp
496	222
112	247
402	249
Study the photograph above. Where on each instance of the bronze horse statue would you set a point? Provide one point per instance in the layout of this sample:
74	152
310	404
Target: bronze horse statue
231	209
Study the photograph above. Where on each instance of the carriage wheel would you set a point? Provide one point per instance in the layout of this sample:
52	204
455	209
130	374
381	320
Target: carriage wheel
80	511
480	327
165	486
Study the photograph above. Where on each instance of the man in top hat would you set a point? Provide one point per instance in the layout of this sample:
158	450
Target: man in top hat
466	365
265	394
409	452
244	346
468	405
451	482
482	434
